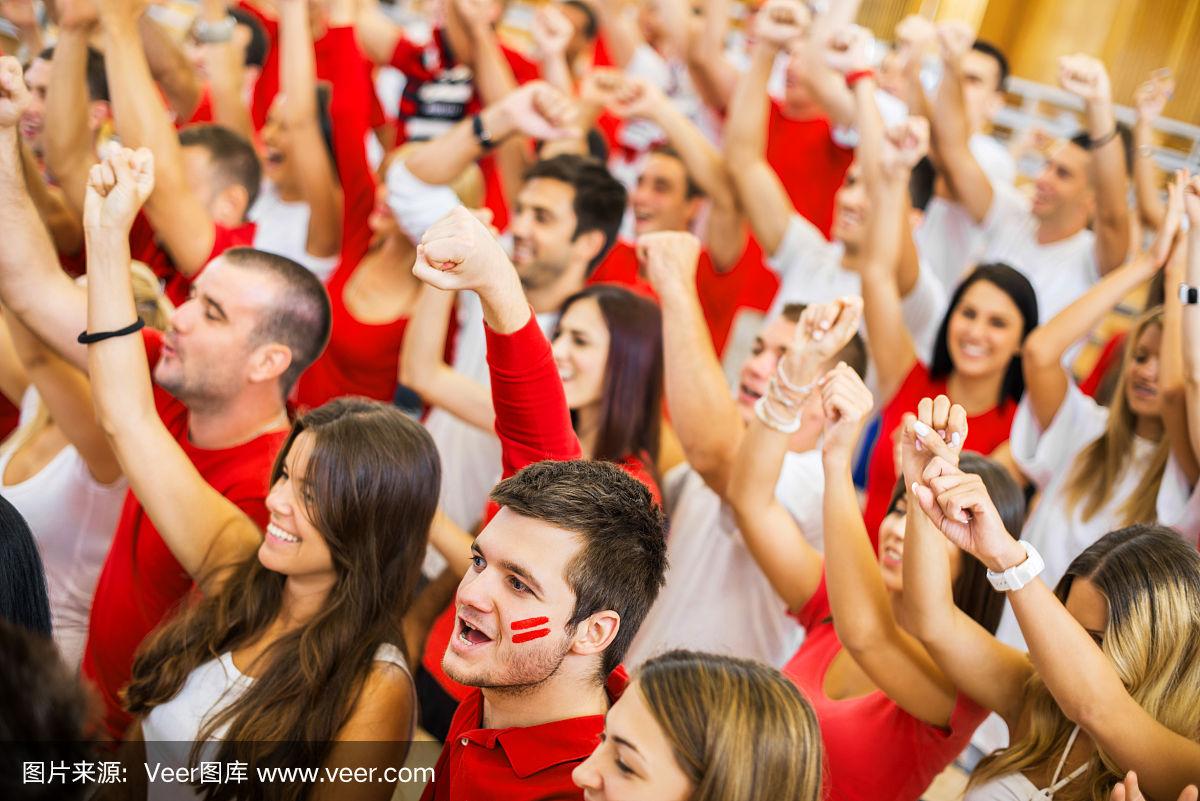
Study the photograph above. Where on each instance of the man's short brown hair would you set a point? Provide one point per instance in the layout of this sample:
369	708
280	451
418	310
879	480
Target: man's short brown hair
623	562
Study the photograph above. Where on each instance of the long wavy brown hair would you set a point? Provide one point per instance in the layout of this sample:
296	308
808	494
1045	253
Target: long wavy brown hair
374	477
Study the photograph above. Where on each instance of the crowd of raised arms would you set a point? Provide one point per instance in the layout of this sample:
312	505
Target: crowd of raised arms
663	409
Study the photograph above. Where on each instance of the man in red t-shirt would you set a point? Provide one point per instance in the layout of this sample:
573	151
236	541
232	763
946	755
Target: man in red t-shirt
252	325
563	574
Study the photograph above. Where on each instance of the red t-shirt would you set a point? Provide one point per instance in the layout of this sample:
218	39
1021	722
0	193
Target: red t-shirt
985	433
534	424
532	763
438	93
10	416
141	582
874	750
145	247
809	163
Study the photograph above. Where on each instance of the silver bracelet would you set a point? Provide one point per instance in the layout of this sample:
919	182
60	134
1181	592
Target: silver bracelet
788	385
764	415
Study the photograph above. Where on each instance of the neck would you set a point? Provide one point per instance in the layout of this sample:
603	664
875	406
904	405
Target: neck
800	112
303	597
559	698
550	298
229	424
587	428
851	258
394	247
975	395
1148	427
1058	227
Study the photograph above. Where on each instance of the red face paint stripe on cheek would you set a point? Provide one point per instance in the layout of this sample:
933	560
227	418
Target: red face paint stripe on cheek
528	623
526	636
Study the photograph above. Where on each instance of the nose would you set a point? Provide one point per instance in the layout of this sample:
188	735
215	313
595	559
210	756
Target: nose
475	590
762	365
560	348
586	777
520	223
181	316
278	504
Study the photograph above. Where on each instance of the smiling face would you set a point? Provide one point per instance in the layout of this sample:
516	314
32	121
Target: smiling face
850	210
660	201
891	548
276	141
1062	188
581	353
769	347
207	351
634	760
1141	380
984	333
33	121
292	544
518	576
543	228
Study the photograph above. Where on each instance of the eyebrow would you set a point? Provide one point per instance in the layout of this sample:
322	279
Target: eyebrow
217	307
513	567
627	744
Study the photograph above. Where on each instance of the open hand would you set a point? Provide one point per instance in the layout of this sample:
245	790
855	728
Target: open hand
116	189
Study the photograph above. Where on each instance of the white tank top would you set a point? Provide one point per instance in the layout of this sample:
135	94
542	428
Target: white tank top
73	518
170	730
281	227
1015	787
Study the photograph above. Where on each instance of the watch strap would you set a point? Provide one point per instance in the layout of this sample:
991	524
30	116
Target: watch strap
1017	576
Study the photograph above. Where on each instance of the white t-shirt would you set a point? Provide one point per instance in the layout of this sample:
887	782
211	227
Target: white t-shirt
949	242
810	271
1059	272
716	598
73	518
281	227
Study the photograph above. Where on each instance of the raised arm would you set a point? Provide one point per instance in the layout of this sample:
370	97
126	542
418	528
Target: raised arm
619	27
170	67
225	63
978	664
702	410
713	75
759	190
552	32
951	131
1046	380
725	237
1086	77
1149	100
376	33
61	221
32	285
68	140
1190	317
823	57
298	82
180	219
204	531
13	378
1171	383
532	418
423	366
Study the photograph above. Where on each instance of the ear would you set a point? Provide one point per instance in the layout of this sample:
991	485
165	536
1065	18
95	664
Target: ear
99	112
230	205
588	246
594	635
268	362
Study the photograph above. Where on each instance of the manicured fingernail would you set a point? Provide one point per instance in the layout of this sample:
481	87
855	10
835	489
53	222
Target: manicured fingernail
914	488
921	429
956	439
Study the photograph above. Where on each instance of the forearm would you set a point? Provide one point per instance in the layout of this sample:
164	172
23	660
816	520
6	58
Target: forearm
620	31
1190	328
928	600
440	160
170	68
702	161
64	226
557	73
376	34
950	138
827	87
892	349
1112	188
68	140
1151	208
869	153
746	121
712	74
226	63
452	543
493	74
1171	372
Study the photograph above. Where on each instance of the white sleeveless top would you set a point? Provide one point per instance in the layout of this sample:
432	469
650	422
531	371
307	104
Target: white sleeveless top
281	227
73	518
170	730
1015	787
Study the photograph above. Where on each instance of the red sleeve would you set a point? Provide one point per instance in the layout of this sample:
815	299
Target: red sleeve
409	58
204	108
267	85
532	419
523	69
341	63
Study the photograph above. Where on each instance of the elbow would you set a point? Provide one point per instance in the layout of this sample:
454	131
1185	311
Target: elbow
1037	353
860	634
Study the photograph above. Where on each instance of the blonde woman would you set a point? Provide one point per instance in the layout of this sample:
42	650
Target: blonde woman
700	727
1111	682
58	470
1100	468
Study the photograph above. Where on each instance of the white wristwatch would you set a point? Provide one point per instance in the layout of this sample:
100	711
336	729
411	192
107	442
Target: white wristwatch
1017	576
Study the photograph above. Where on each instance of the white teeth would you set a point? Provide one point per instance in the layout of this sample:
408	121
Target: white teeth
279	534
566	375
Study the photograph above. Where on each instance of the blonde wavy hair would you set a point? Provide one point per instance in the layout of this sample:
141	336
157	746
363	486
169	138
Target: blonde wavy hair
1100	465
152	307
739	729
1151	580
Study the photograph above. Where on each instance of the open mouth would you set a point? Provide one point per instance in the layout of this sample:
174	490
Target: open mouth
973	351
273	156
892	556
1145	391
469	635
281	536
748	394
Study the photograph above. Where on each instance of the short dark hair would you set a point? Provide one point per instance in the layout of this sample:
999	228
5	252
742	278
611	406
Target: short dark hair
599	202
233	157
1021	293
854	353
623	561
692	188
300	316
23	596
44	715
591	26
921	182
989	49
97	80
257	47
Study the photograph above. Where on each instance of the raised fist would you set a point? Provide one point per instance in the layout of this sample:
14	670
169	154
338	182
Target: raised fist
825	328
848	49
955	39
458	252
779	22
601	86
540	111
637	97
958	504
116	189
938	429
905	144
552	31
669	259
1152	96
847	404
1086	77
14	95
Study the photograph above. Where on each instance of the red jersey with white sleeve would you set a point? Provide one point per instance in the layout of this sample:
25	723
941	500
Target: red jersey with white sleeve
874	750
141	582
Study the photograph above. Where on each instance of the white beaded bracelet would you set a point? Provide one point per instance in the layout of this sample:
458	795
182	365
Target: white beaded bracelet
763	413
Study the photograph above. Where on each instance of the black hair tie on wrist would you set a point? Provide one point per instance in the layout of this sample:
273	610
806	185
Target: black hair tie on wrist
1096	144
87	339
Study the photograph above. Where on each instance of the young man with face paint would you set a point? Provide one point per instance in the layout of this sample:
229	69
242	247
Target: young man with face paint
1084	181
563	573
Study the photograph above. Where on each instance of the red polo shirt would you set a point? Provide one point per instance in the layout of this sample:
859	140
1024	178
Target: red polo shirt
531	763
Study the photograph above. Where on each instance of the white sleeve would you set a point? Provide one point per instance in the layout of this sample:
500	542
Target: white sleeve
1043	455
1009	210
800	241
416	204
1178	503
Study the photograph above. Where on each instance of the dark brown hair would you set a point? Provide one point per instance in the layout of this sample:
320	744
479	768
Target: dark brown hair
623	562
631	398
374	476
599	202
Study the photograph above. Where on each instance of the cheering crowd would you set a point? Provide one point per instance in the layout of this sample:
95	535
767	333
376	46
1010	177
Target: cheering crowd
655	409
